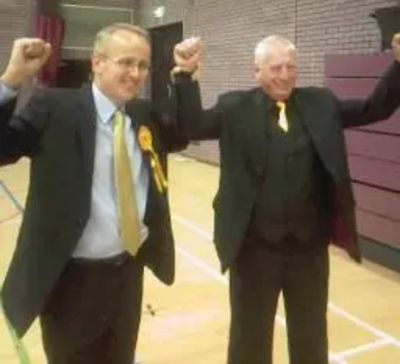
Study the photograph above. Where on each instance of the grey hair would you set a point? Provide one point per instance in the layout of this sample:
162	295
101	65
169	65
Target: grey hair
105	34
263	48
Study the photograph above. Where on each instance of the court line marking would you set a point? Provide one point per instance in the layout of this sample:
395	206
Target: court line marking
10	219
11	196
221	279
349	353
362	324
8	194
338	358
333	358
355	320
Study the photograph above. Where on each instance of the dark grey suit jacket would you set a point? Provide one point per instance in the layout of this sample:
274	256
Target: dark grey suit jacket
6	110
237	122
57	131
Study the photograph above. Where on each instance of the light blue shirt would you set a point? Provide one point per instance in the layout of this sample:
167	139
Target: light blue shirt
100	237
6	93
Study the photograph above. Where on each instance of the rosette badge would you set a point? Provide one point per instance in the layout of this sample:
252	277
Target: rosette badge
146	144
145	139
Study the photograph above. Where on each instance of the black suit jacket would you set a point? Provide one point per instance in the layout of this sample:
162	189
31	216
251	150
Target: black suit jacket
237	121
6	110
57	131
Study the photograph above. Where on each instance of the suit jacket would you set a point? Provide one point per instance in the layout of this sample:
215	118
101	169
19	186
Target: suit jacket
6	111
57	131
236	121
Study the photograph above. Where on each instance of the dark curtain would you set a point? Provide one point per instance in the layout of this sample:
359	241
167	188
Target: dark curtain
51	29
388	20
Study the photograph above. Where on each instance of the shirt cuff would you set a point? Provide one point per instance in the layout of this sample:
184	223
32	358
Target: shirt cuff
6	93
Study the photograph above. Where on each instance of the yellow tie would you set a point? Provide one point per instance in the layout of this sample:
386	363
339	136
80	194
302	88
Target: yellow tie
282	122
128	214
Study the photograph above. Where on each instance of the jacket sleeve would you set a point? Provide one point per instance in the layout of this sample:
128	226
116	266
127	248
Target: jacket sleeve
6	110
196	122
20	133
164	116
380	105
183	118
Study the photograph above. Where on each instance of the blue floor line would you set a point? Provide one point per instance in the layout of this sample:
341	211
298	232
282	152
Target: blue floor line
11	196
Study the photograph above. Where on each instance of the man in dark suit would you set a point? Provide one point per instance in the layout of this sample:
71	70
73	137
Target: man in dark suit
284	193
28	55
97	208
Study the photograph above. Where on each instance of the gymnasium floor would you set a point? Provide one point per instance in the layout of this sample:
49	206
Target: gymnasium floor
188	323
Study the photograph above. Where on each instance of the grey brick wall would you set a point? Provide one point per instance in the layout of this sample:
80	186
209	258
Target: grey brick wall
86	17
14	22
327	26
16	19
231	28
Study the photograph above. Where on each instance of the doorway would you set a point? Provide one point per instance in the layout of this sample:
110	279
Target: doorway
73	73
163	39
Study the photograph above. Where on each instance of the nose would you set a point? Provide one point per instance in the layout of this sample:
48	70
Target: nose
134	71
285	74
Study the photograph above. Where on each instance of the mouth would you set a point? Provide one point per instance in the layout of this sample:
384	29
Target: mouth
285	89
284	86
131	86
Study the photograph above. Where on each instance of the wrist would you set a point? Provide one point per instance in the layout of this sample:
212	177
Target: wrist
180	69
183	71
13	79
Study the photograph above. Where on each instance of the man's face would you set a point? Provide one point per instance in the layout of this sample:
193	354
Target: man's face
277	75
121	65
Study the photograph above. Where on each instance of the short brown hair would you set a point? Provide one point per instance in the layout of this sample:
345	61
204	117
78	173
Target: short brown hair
106	33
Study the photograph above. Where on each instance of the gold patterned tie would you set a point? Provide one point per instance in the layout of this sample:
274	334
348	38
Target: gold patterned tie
127	207
283	121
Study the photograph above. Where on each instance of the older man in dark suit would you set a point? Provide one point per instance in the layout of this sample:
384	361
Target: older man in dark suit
97	208
284	193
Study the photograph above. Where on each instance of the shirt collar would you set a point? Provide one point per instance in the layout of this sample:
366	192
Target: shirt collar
270	103
104	106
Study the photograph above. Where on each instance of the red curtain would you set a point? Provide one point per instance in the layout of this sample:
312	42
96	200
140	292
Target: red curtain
51	29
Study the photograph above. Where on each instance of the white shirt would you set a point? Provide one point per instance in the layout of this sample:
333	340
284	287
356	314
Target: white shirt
6	93
100	237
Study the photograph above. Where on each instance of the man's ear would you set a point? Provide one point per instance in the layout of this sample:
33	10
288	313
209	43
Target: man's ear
257	73
95	60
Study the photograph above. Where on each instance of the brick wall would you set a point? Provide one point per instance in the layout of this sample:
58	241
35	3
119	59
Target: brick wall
231	28
341	26
85	18
14	15
16	19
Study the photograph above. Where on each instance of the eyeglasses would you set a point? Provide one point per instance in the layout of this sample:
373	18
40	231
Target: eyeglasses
129	63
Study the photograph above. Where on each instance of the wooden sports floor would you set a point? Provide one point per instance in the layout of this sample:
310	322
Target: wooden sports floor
188	322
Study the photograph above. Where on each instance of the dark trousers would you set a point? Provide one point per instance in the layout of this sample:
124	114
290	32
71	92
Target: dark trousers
256	280
94	312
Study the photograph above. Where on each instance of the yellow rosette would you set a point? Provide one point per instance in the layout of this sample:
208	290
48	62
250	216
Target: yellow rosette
145	139
146	143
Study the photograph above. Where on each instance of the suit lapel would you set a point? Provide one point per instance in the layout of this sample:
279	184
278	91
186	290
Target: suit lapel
252	128
136	113
318	116
139	117
307	111
86	132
